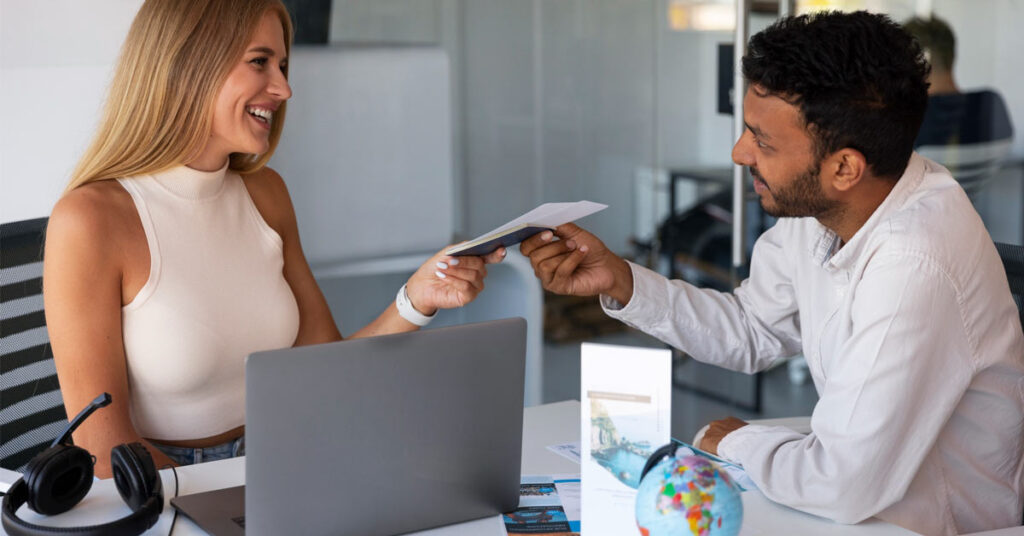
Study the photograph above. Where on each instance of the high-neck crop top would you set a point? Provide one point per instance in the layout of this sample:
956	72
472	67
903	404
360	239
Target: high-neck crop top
216	293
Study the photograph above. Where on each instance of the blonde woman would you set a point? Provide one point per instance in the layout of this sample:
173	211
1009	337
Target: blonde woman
174	252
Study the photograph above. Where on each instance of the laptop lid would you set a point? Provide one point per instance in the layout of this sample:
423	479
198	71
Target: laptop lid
385	435
219	512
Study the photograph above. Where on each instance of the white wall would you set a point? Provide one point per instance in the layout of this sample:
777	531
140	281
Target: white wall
1008	67
558	105
366	151
56	58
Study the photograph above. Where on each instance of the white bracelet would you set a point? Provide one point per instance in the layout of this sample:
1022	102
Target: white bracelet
408	312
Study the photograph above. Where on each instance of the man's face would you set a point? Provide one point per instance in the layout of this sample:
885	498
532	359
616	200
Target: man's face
779	151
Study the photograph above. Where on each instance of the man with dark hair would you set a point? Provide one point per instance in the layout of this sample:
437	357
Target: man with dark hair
939	44
977	118
879	271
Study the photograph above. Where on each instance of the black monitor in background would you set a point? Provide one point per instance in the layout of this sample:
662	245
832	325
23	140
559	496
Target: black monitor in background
725	78
311	20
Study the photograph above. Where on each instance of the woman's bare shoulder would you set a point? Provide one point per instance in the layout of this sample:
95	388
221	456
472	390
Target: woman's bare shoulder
270	194
94	212
265	181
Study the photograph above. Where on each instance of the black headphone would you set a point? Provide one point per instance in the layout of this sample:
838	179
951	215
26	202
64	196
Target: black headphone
60	476
656	457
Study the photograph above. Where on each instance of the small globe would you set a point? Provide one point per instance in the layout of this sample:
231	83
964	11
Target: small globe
688	495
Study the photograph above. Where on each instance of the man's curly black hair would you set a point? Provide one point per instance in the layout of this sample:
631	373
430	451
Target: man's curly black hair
859	80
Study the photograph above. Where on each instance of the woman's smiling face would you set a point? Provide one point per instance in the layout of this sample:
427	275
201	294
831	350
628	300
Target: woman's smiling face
245	106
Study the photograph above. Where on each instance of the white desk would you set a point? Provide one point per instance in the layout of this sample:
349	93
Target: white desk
542	426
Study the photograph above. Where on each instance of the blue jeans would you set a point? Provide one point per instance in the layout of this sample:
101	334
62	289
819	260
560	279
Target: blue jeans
189	456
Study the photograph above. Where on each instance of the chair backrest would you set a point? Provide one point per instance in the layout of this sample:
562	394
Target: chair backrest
31	407
970	133
971	164
1013	261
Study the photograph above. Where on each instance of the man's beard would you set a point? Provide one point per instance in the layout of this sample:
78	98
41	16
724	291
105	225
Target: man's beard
803	197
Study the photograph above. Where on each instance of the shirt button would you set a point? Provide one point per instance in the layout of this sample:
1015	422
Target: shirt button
841	291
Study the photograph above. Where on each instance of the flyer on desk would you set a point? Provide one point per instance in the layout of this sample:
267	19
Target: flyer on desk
625	416
549	505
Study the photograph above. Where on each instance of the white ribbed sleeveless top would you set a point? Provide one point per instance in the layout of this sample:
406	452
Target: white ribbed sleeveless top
216	293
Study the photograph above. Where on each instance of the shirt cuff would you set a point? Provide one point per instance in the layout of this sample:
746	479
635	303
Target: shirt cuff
736	445
644	307
610	304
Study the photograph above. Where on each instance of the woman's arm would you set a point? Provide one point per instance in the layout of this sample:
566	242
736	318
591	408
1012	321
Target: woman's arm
270	195
82	282
462	281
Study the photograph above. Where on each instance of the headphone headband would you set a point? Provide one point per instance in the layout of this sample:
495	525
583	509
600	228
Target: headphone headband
137	522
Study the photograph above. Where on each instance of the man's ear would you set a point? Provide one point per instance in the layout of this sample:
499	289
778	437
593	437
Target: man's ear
844	169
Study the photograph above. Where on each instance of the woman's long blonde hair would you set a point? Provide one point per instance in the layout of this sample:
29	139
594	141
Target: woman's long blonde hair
159	111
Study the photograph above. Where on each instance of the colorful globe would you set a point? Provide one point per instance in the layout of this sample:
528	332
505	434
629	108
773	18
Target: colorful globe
688	496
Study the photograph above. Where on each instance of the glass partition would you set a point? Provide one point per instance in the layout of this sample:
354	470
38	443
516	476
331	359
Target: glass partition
628	103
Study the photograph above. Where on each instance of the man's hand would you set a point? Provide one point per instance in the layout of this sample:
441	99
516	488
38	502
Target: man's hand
716	431
578	264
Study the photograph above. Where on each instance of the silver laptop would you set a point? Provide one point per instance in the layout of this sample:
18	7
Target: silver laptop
378	436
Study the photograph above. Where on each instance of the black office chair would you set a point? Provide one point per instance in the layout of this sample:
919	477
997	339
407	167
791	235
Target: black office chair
1013	261
969	133
31	407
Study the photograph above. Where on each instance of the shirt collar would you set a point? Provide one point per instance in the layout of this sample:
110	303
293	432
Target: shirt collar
824	251
193	184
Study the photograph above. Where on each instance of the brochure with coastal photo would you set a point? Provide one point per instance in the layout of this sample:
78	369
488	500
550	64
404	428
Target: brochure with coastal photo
626	415
548	506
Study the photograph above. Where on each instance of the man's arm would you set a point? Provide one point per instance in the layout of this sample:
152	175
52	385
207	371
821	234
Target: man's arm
745	331
889	391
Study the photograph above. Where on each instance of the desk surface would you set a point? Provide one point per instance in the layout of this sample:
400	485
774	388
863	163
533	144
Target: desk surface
545	425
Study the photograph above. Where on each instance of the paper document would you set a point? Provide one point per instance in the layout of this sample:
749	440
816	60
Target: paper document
626	415
546	216
554	214
739	476
548	505
567	450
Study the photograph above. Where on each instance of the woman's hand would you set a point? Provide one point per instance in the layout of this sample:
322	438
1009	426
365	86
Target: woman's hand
446	282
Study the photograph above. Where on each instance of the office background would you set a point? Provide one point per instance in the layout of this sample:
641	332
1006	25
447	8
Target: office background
516	102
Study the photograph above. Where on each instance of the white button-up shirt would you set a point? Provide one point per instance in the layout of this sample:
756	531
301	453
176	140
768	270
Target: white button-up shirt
915	347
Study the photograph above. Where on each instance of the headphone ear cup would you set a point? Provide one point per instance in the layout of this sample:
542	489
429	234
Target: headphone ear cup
58	478
135	474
